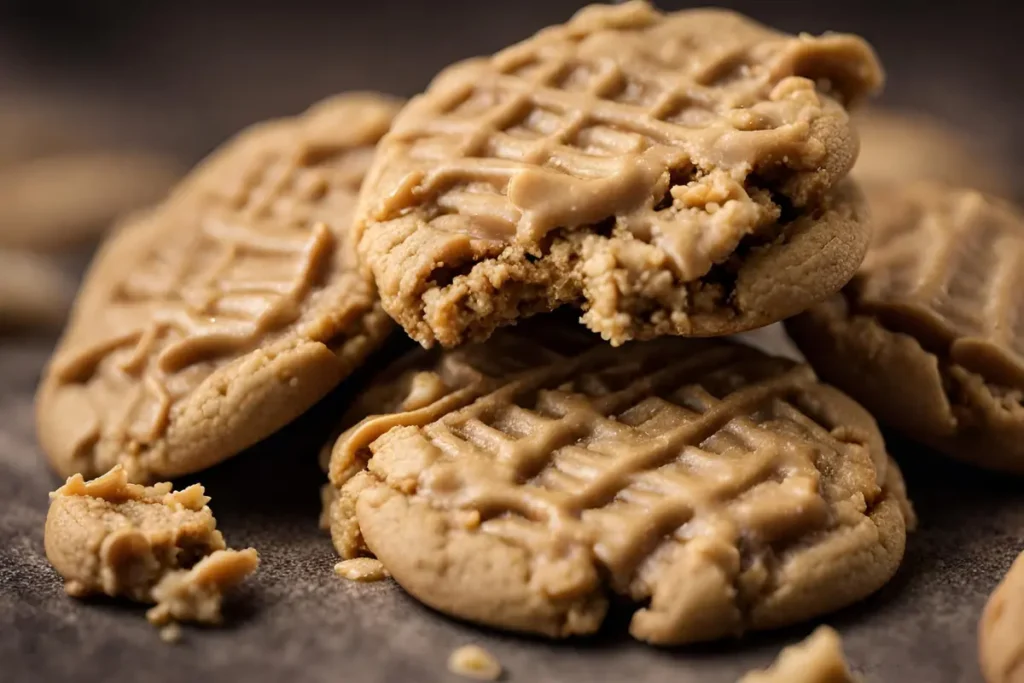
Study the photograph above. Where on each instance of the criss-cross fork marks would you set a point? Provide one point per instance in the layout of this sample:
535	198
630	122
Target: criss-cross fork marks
253	249
604	452
551	104
968	279
254	256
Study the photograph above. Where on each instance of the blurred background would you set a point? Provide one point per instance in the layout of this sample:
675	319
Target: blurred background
181	76
105	103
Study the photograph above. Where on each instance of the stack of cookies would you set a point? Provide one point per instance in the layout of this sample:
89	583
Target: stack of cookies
570	229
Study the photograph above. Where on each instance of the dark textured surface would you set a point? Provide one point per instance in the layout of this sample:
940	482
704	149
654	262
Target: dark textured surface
182	76
298	621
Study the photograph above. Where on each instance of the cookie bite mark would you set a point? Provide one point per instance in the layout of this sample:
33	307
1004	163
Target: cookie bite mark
928	335
584	167
718	489
243	305
818	659
149	544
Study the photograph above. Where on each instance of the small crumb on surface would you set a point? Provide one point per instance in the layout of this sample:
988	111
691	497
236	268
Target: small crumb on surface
171	633
818	659
361	569
472	661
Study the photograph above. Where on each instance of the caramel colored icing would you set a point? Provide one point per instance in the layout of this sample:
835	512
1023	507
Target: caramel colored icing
702	479
222	313
674	129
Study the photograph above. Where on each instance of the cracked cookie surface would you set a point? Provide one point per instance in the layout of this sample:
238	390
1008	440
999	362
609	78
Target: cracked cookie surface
929	336
222	314
523	481
673	173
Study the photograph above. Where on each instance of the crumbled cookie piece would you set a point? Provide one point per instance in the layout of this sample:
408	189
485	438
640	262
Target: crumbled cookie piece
472	661
145	543
818	659
196	594
365	569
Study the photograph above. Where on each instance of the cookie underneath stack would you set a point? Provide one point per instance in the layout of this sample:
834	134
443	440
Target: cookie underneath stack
522	481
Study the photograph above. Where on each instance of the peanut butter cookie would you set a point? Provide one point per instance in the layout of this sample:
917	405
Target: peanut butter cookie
521	481
225	312
668	173
930	334
148	544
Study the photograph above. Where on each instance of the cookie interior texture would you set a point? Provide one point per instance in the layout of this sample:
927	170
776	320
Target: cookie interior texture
1001	629
521	482
220	315
149	544
928	335
663	172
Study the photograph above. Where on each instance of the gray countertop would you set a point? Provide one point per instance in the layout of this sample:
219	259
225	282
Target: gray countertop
297	621
183	78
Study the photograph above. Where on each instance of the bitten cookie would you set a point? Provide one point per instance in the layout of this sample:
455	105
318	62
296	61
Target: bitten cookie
521	482
668	173
209	322
930	334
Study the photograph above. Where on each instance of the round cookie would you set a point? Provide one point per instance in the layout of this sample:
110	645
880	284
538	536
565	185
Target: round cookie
525	480
899	148
58	187
929	335
1001	629
669	174
222	314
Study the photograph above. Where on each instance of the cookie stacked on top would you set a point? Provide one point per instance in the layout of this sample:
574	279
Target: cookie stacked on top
652	177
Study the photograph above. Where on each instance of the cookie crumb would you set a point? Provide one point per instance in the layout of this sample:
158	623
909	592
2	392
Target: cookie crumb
472	661
818	659
171	633
197	594
364	569
159	546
